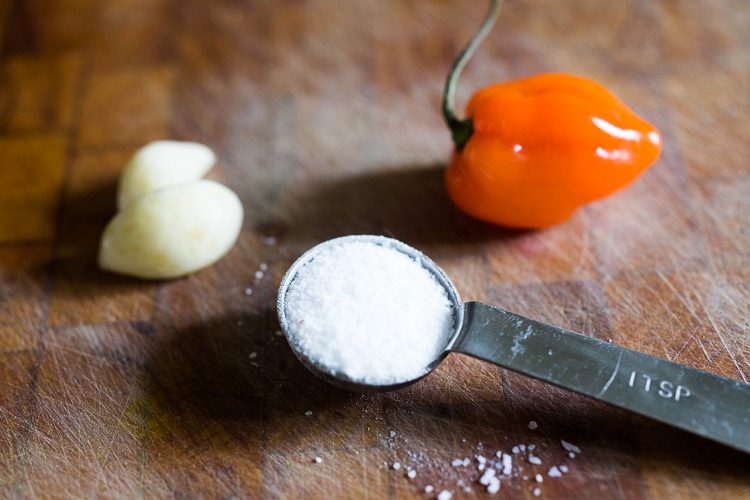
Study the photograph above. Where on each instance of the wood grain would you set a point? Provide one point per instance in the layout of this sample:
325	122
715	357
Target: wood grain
325	118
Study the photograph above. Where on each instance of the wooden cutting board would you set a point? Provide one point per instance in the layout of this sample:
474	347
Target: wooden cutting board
325	118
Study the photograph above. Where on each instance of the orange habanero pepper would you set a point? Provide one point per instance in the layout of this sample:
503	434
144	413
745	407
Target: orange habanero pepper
534	150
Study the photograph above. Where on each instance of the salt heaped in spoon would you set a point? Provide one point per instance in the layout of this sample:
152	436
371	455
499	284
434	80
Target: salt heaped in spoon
369	312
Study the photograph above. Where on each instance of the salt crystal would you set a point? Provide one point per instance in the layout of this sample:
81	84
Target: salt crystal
393	433
533	425
507	464
494	486
534	460
248	291
538	478
308	413
263	266
412	474
466	462
457	462
572	455
396	465
253	355
570	447
369	312
564	468
515	450
487	477
429	488
318	460
554	472
258	275
537	492
522	447
532	447
444	495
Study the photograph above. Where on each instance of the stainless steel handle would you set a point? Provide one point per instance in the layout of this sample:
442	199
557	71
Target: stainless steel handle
711	406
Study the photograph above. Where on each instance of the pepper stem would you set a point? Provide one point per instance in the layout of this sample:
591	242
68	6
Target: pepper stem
461	130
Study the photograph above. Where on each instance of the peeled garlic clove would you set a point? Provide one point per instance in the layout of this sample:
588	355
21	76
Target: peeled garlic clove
172	232
161	164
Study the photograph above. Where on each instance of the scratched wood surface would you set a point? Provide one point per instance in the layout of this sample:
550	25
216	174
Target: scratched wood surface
325	119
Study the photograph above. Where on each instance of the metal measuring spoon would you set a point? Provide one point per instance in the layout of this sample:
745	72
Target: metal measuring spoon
705	404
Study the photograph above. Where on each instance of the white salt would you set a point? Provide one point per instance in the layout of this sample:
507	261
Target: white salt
429	488
534	460
396	465
494	486
539	478
412	474
570	447
564	468
444	495
507	464
554	472
368	312
487	477
533	425
537	492
318	460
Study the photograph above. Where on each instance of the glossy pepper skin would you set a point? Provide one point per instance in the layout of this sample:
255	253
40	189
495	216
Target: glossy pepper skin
540	147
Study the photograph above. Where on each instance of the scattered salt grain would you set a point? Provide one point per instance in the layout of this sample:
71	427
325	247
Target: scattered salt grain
308	413
516	450
248	291
393	433
538	478
507	464
494	486
564	469
533	425
396	465
258	275
369	312
263	266
537	492
253	355
429	488
554	472
412	474
444	495
318	460
487	477
570	447
457	462
534	460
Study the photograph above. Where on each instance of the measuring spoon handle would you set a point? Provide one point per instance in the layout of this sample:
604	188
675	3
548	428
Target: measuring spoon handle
711	406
